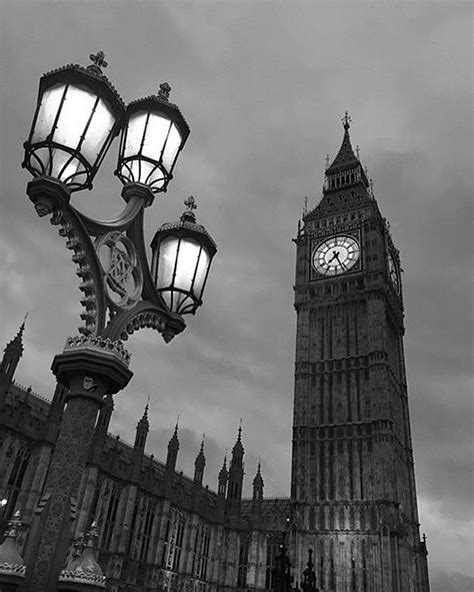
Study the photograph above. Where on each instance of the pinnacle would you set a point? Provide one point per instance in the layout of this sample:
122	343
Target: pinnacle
223	471
17	341
144	419
258	477
200	458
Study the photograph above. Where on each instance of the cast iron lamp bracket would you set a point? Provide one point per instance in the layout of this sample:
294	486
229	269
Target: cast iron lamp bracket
84	237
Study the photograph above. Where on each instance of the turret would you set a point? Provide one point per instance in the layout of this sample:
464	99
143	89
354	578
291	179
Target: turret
12	354
199	465
257	496
172	456
141	432
222	486
236	477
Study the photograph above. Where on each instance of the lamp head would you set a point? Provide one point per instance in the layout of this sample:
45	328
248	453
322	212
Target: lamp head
153	135
181	258
77	115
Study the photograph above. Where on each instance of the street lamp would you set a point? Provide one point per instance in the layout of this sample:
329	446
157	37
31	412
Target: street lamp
153	135
77	116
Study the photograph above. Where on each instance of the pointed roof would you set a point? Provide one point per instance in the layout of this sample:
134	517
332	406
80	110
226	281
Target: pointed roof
258	481
345	157
174	441
17	341
200	458
144	423
238	449
223	474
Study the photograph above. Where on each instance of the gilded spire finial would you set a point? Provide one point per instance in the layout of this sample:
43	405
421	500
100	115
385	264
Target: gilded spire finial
98	62
346	121
327	161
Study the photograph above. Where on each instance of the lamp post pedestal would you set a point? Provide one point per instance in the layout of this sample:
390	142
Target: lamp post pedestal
91	367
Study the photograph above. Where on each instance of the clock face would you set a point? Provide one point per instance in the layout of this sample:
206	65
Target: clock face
393	272
336	255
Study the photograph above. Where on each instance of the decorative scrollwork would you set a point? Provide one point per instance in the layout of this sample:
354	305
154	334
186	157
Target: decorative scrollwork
121	267
143	315
91	283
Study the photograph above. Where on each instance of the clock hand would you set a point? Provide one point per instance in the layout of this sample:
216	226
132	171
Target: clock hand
340	262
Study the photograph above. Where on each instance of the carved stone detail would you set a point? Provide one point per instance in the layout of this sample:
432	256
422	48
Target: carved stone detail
98	343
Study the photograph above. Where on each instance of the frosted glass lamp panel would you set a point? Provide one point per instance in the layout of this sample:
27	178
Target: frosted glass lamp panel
154	175
63	165
155	138
142	171
135	131
48	110
75	113
98	131
187	262
201	273
172	147
166	263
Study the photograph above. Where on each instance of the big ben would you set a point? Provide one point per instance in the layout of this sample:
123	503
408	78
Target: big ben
353	481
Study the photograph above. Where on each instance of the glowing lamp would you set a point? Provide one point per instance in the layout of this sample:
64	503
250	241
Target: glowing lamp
78	113
153	135
181	257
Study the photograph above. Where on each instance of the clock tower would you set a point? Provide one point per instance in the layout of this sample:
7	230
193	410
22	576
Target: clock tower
353	482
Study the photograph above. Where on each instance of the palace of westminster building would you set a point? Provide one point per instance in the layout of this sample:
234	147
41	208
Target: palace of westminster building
353	497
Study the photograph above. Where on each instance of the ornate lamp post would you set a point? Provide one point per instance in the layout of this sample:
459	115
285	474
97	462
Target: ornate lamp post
77	116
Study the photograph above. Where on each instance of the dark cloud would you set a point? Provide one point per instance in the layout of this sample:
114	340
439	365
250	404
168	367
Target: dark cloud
452	581
263	86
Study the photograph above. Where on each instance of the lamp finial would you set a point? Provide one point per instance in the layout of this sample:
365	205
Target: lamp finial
164	91
189	215
98	62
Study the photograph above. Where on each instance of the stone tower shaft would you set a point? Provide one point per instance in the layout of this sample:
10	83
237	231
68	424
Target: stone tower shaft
352	462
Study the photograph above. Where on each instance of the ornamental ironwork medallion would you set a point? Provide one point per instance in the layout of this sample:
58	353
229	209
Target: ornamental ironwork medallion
121	268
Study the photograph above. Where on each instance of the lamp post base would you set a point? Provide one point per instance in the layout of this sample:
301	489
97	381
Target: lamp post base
91	367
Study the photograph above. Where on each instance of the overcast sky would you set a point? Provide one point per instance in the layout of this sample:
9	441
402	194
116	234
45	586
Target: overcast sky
263	86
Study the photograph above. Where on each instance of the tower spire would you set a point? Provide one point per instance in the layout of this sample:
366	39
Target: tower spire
346	169
345	158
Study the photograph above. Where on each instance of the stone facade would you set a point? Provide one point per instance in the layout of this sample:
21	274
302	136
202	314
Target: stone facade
158	529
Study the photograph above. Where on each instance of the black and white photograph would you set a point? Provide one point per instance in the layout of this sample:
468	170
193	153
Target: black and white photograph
236	287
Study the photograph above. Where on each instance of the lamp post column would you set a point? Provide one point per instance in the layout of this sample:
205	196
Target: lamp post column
91	367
